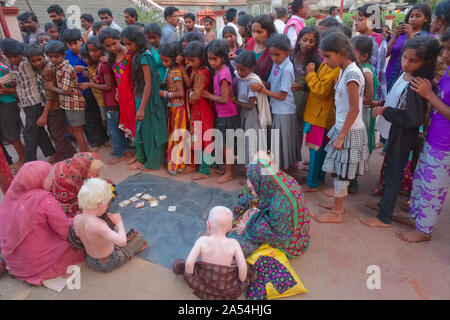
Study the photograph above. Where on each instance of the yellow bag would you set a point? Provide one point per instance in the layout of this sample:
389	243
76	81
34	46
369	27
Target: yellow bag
272	292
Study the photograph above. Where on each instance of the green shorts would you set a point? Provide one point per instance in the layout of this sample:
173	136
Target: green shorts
75	118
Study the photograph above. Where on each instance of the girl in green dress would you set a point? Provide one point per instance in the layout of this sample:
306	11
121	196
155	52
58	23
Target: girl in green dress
151	117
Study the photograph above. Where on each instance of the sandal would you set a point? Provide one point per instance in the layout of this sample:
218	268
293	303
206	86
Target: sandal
378	192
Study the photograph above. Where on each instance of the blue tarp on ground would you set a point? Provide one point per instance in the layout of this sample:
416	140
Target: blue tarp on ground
170	235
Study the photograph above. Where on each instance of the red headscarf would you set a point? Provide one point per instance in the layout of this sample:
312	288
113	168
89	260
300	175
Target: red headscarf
68	178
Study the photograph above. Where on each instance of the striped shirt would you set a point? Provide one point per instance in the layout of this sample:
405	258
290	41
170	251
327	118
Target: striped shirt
66	79
26	84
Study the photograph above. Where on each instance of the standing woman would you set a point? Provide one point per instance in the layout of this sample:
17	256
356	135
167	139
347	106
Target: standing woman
262	29
417	22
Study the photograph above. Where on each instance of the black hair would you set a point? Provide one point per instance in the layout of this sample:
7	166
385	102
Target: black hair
446	36
191	36
208	19
189	15
228	29
29	15
171	50
50	25
84	51
12	47
313	55
231	14
279	41
332	9
246	58
428	49
345	30
41	35
219	48
337	42
137	76
329	22
341	29
55	46
241	13
363	44
33	50
55	8
443	10
153	28
93	40
106	34
97	25
281	12
266	23
296	5
71	35
21	17
139	25
105	11
245	21
367	10
88	17
426	10
168	11
195	49
132	12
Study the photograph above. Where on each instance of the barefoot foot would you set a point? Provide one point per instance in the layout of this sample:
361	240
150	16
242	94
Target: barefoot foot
219	171
188	169
328	217
115	160
133	160
134	166
225	178
329	192
307	188
413	236
404	220
373	222
200	176
372	205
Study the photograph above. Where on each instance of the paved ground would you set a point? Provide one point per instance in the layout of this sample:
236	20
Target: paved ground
334	267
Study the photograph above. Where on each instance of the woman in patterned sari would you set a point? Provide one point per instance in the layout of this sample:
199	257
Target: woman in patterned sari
282	219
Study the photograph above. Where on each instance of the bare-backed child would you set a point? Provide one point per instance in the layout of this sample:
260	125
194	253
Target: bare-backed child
217	253
106	249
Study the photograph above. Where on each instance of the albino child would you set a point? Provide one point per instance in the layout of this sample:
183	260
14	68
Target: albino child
216	258
98	239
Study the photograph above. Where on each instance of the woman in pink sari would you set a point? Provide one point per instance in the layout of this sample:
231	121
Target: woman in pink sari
34	228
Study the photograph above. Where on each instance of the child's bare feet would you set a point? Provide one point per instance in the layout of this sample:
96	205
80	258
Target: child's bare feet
404	220
116	160
128	154
373	222
372	205
307	188
219	171
134	166
133	160
200	176
188	169
328	217
413	236
225	178
329	192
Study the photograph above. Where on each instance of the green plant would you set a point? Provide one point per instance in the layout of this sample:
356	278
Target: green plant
146	17
347	19
311	21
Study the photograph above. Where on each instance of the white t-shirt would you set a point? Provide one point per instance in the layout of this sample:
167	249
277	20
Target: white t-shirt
351	73
392	98
279	26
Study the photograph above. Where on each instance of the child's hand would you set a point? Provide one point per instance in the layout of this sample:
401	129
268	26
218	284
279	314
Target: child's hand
377	111
140	115
2	89
117	95
256	87
96	80
180	60
422	87
47	85
232	55
42	121
161	93
338	143
79	69
104	59
115	218
310	67
297	86
85	85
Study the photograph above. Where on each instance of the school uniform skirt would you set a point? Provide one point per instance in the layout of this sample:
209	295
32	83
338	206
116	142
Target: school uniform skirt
352	159
284	140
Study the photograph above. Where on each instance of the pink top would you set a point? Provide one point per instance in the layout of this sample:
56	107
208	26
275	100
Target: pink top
110	96
34	228
224	110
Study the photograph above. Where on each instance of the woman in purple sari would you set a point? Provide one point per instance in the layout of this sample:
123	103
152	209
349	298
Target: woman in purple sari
417	22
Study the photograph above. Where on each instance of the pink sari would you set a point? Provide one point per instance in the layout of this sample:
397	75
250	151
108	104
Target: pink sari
34	228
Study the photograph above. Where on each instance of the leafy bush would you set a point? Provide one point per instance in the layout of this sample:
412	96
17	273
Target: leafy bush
146	17
311	21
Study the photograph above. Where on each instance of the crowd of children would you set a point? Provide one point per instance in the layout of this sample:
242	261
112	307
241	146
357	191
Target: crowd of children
153	93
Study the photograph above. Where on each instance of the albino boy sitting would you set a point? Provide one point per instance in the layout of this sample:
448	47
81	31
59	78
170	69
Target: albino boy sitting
214	276
106	249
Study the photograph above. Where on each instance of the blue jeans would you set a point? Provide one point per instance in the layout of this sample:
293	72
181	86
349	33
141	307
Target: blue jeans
120	143
115	260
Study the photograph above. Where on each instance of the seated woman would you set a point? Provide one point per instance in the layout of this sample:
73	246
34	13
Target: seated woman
69	176
275	210
34	228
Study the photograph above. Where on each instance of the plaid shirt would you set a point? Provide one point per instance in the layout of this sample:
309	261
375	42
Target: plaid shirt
66	79
26	84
